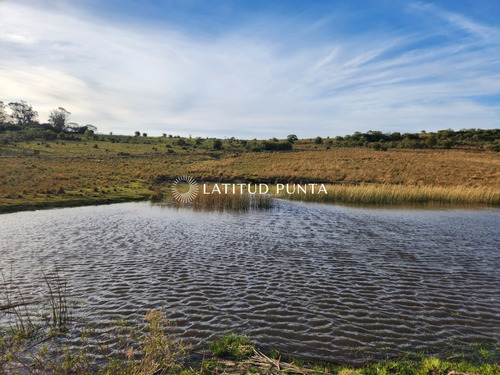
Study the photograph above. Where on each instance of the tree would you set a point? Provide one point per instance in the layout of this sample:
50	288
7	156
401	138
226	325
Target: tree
144	134
431	141
91	127
137	133
23	113
58	118
73	127
292	138
318	140
4	117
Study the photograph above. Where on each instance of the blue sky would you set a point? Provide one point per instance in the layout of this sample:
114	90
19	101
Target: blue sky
255	69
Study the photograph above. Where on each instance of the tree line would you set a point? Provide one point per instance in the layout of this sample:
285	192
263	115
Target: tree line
19	121
445	139
20	116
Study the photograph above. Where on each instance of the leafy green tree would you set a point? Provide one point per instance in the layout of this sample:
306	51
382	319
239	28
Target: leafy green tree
318	140
431	141
292	138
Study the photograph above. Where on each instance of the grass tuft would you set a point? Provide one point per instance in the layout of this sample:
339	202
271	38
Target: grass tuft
232	346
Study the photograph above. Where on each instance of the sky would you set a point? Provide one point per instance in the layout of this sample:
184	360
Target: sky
255	68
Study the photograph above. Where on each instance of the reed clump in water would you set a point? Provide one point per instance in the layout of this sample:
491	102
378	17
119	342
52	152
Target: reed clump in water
157	196
401	194
27	312
233	201
35	342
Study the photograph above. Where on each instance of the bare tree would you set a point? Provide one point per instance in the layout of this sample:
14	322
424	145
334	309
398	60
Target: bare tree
23	113
58	118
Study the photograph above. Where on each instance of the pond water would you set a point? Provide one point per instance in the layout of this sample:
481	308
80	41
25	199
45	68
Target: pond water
320	281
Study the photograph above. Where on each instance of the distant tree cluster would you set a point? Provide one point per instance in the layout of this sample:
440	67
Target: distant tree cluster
19	121
465	138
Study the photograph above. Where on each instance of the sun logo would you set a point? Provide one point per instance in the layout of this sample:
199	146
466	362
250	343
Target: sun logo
184	189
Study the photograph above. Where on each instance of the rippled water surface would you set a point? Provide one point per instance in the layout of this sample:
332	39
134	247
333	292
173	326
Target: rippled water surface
318	280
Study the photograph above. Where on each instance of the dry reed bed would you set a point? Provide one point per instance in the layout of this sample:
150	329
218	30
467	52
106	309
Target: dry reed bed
232	201
400	194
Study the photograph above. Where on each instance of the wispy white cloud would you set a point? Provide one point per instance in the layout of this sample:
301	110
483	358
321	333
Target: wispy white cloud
459	21
157	79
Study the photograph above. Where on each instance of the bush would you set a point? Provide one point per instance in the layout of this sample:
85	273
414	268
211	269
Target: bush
217	144
276	146
180	142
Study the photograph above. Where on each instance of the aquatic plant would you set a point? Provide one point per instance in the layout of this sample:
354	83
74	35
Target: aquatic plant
34	339
233	201
401	194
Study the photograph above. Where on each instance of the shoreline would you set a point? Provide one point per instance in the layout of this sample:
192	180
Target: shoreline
47	205
365	195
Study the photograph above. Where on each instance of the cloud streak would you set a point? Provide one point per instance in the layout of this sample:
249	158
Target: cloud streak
157	78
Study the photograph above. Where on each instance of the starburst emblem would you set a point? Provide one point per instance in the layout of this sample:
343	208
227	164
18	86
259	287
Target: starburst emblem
186	196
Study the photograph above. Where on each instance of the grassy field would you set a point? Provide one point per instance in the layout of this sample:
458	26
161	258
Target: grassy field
119	168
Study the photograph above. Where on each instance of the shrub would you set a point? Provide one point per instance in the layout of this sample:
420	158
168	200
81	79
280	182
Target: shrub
180	142
217	145
276	146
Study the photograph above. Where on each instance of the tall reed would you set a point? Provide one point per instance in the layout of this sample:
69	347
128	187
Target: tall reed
233	201
14	304
58	301
25	311
401	194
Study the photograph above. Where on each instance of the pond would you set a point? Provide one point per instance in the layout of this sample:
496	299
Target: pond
321	281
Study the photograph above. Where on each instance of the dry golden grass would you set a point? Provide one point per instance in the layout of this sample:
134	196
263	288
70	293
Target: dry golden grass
360	165
71	173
